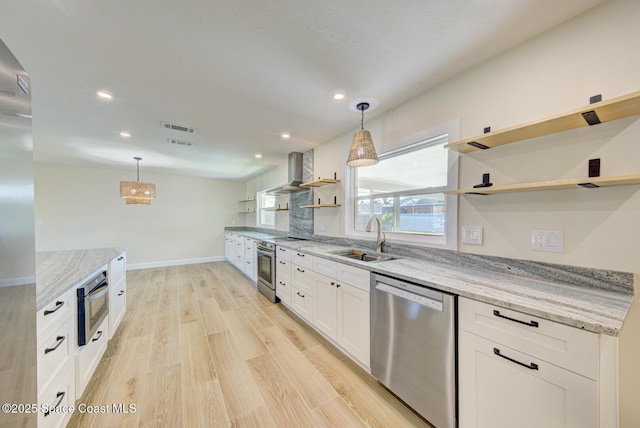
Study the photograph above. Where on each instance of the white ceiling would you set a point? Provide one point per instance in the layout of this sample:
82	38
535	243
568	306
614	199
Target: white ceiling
241	72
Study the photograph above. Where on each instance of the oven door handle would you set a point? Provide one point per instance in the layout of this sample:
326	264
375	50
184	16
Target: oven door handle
98	292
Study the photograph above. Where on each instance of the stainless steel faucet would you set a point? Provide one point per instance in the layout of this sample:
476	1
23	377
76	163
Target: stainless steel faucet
380	238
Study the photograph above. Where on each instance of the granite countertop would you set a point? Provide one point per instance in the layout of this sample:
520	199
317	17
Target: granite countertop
254	235
59	271
589	308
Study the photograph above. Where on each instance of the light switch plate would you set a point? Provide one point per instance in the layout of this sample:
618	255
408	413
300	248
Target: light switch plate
547	240
472	235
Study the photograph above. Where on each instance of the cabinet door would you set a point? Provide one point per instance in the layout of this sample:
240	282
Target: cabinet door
326	305
353	321
117	305
495	392
229	247
283	291
239	253
302	303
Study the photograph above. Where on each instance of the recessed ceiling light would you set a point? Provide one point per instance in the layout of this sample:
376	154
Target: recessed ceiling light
285	135
338	96
104	95
125	134
258	156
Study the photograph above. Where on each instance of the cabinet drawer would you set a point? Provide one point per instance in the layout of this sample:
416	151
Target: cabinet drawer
117	306
51	317
117	269
302	278
324	267
89	355
302	259
55	352
283	270
283	291
568	347
249	254
302	303
56	398
283	253
357	277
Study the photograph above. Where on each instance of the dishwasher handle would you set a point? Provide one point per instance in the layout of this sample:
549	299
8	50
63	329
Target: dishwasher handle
412	297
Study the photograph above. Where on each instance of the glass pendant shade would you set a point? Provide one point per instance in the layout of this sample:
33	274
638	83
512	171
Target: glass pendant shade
363	152
137	192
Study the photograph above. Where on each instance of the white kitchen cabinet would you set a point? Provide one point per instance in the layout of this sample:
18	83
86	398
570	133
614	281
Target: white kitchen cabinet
59	394
353	321
341	309
302	287
283	277
56	342
229	247
249	267
515	369
117	292
89	355
238	260
326	309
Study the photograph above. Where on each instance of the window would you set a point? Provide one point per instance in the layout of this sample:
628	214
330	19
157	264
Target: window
405	190
266	210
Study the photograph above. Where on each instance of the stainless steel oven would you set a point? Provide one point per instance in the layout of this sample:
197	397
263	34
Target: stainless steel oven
267	270
93	306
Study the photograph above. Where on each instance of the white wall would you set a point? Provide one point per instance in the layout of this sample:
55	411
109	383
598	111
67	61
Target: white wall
78	207
273	178
551	74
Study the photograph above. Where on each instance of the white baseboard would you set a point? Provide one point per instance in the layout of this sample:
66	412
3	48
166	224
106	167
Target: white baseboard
166	263
12	282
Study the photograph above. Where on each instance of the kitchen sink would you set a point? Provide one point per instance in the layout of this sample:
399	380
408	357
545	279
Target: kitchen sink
362	256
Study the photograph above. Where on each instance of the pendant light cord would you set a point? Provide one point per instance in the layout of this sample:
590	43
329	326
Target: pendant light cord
362	120
138	168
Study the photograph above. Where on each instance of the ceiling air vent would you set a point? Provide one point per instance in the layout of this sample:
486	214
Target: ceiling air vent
179	142
176	127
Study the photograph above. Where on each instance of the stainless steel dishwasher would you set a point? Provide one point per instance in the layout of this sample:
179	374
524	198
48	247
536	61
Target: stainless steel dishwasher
413	346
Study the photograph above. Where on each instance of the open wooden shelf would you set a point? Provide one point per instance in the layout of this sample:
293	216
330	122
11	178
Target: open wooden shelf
320	205
247	200
605	111
589	182
320	182
282	209
246	212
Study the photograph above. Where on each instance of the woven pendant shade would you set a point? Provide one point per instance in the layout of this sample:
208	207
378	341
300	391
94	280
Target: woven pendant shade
363	152
137	192
133	189
137	201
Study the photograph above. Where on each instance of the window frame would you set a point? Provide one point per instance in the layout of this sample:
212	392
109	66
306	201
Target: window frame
449	240
260	208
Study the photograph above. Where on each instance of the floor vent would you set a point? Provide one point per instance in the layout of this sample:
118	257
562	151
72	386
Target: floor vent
179	142
176	127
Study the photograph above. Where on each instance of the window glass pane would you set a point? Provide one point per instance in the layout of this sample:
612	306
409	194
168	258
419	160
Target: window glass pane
379	207
416	169
422	214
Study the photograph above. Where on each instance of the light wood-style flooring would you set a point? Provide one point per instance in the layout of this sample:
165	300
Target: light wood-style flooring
200	347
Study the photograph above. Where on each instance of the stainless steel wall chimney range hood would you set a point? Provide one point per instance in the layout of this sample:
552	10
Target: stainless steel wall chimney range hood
295	176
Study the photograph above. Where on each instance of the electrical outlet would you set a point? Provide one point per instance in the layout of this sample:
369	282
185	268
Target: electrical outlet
547	240
472	235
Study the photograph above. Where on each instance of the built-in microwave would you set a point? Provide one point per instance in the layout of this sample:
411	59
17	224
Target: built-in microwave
93	306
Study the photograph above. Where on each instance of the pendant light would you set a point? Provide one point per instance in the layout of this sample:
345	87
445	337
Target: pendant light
363	152
137	192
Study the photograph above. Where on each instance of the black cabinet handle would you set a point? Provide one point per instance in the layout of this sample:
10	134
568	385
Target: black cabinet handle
301	255
60	396
120	258
300	270
98	336
301	295
282	283
59	340
59	304
337	285
530	366
281	262
333	283
121	293
530	323
282	249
